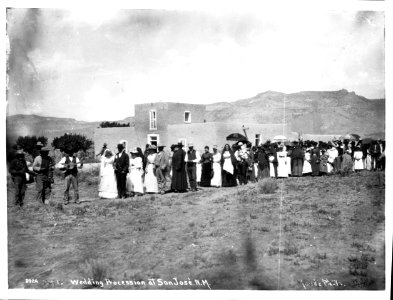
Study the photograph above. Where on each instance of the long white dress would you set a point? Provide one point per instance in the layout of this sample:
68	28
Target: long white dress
367	162
271	166
198	171
216	180
282	169
358	156
134	177
332	153
108	185
306	164
151	183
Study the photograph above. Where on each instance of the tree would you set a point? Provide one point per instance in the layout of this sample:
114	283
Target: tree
72	143
107	124
28	143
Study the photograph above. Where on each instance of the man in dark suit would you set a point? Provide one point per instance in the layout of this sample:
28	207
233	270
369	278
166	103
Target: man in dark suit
121	164
375	152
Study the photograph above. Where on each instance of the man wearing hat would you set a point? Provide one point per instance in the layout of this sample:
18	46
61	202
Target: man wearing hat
179	177
121	164
43	165
18	169
37	150
162	168
69	164
191	159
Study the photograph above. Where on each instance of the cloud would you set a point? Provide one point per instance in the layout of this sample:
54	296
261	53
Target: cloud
82	58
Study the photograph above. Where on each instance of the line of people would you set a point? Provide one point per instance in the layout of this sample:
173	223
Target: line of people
159	171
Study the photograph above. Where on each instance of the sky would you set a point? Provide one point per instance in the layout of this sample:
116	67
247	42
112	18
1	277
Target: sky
95	65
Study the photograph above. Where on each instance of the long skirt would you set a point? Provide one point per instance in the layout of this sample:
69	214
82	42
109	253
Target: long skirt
337	164
206	174
367	162
314	165
198	172
216	180
289	169
134	181
228	179
282	169
263	172
151	183
273	168
297	167
358	165
108	186
306	167
179	180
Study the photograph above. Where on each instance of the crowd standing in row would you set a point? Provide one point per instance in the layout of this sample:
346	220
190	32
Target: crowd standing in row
158	171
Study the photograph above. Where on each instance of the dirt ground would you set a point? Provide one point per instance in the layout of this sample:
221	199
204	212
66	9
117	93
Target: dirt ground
312	233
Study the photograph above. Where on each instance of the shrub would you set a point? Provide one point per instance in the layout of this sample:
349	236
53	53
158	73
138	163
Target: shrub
28	143
72	143
95	269
267	186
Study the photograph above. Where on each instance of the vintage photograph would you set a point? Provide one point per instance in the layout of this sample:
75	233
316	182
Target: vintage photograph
169	149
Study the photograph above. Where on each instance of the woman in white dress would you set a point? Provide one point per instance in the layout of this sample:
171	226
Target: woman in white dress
151	183
282	169
216	180
134	177
358	157
108	185
307	163
367	161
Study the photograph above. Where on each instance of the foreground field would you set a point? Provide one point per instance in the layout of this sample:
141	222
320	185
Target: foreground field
312	233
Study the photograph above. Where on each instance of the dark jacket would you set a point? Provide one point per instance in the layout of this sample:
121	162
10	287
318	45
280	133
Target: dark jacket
122	163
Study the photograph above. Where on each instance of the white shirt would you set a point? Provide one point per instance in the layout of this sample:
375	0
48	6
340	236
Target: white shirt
61	163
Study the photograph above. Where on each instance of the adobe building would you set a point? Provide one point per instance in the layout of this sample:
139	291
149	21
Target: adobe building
169	123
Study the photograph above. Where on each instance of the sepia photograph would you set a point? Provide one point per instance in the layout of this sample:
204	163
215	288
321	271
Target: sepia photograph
195	149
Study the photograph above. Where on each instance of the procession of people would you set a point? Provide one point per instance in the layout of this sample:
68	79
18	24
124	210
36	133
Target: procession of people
158	171
240	163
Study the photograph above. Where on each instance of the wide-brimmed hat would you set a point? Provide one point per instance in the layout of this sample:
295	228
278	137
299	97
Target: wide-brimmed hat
190	145
152	147
19	149
180	144
45	149
134	150
39	144
161	146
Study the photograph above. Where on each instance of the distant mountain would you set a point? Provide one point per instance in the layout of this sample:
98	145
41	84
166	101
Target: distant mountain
312	112
22	125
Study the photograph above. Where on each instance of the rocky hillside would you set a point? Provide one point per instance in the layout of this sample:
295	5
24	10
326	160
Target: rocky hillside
307	112
335	112
22	125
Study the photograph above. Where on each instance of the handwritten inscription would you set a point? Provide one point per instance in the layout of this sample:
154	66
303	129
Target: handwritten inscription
323	283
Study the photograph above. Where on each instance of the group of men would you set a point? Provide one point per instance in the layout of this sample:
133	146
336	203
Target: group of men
42	172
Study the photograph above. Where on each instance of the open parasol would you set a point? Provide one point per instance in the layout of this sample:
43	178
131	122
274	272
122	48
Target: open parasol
237	137
280	138
348	136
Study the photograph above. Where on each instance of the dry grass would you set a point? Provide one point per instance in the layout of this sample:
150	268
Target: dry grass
228	236
267	186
